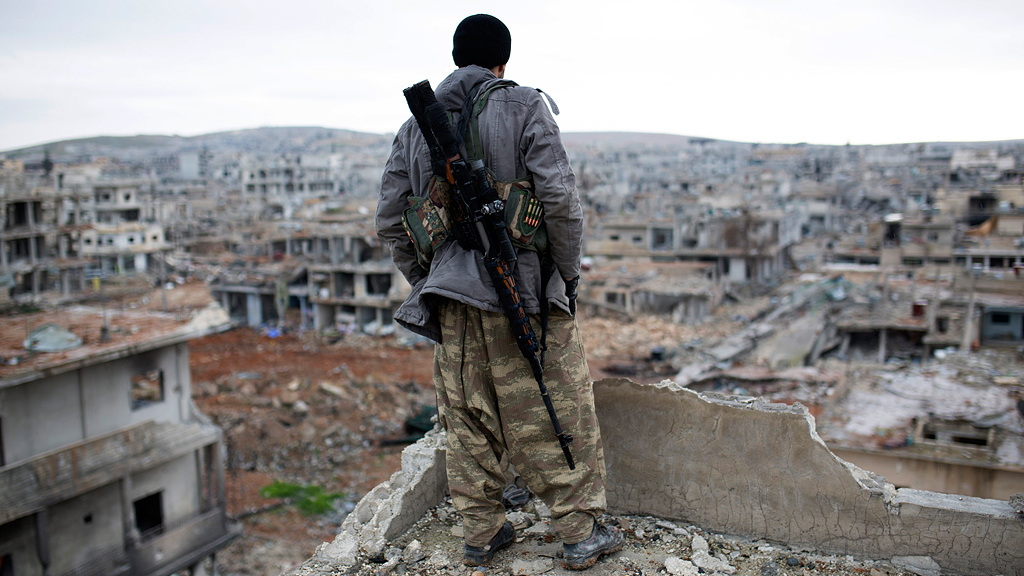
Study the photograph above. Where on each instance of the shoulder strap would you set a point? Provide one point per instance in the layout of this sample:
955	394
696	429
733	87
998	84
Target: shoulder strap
474	145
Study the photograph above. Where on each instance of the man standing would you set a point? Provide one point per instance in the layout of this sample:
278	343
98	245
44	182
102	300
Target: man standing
488	400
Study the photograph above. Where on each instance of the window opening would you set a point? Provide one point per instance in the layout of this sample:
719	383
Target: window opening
147	388
149	515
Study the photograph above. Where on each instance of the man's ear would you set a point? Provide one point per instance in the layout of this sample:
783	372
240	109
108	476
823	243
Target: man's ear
499	70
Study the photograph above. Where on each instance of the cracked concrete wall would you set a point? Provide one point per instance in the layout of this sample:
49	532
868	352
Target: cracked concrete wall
760	470
388	510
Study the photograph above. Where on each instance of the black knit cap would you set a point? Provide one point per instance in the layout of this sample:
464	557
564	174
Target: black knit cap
483	40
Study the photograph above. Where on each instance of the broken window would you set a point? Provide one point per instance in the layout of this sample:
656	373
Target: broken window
147	388
1000	318
378	284
942	324
149	516
955	433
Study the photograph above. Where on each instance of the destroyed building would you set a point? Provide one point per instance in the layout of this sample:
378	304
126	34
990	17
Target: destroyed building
261	294
353	280
337	276
106	467
684	291
744	246
40	244
279	186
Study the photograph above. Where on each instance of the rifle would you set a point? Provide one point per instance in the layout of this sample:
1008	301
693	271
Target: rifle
477	217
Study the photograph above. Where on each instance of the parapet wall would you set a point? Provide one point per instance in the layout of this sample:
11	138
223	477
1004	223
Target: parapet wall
748	468
760	470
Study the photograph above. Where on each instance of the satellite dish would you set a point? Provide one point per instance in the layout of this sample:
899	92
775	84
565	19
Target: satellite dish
51	338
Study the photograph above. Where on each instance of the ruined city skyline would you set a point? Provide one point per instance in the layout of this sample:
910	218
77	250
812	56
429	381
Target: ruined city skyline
864	73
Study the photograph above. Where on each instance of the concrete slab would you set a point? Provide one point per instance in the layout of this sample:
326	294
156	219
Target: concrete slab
759	470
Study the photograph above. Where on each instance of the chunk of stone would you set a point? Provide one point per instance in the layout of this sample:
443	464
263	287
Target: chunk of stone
300	407
519	520
1017	503
439	560
792	561
413	553
531	568
539	529
679	567
699	544
709	563
542	510
457	532
770	569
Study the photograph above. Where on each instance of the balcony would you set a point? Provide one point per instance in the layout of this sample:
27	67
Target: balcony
164	550
31	485
180	544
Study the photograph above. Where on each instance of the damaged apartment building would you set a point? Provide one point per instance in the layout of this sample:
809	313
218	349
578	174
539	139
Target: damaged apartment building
106	466
687	292
745	246
337	276
64	226
40	245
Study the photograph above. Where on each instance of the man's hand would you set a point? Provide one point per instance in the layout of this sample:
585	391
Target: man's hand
571	288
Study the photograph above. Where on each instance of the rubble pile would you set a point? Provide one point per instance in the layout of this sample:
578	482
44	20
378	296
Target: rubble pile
609	341
301	411
653	546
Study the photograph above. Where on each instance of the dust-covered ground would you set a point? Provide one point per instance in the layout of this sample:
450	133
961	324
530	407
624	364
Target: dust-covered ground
652	546
296	409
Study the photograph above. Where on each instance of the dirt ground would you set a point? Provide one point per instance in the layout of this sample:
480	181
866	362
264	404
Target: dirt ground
301	411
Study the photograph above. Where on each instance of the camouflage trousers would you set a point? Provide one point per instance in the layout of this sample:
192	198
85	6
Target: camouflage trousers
489	404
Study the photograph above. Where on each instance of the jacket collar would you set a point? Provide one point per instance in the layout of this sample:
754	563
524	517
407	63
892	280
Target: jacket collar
452	91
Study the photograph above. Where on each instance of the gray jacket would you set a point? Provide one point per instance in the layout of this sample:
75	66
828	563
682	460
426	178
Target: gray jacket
520	138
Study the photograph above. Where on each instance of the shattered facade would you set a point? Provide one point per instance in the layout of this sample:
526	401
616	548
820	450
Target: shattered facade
105	465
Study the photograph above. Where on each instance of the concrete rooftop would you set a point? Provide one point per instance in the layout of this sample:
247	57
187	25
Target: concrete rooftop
684	470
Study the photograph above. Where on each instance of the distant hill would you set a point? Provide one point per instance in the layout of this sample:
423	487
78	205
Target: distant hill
312	140
627	138
287	139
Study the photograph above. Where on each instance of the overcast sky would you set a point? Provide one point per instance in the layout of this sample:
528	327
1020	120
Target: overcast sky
830	72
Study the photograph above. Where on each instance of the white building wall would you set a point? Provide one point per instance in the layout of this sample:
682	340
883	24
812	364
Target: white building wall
108	388
88	523
40	417
179	482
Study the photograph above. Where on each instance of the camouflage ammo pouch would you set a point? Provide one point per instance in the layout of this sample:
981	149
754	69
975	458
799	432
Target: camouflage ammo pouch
426	218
